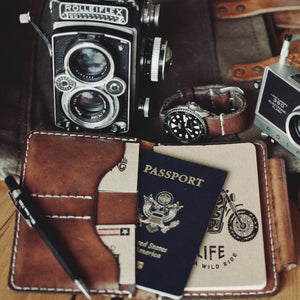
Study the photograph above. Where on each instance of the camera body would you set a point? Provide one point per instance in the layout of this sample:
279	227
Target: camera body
278	108
104	56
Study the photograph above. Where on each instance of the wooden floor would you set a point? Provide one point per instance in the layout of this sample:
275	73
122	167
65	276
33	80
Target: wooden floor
290	281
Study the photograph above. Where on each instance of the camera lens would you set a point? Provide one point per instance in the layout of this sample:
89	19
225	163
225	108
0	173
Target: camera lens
89	105
294	128
89	63
90	108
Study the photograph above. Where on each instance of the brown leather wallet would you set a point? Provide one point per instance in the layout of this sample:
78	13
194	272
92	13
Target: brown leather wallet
62	171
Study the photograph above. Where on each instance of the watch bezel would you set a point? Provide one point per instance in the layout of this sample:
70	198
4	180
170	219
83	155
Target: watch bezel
185	110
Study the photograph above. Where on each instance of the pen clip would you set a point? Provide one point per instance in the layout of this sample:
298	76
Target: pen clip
20	210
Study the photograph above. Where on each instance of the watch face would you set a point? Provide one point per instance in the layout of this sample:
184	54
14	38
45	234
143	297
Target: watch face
184	125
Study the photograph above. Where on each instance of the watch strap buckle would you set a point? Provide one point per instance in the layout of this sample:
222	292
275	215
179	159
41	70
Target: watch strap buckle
235	89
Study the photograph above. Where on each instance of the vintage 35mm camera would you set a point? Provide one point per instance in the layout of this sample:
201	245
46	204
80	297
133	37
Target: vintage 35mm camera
278	108
104	55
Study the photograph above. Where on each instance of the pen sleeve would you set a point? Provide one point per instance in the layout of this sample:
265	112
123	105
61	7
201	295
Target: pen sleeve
62	172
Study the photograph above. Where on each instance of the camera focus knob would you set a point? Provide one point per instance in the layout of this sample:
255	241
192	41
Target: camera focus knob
150	14
161	59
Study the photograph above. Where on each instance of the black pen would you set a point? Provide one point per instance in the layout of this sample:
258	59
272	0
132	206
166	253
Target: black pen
25	206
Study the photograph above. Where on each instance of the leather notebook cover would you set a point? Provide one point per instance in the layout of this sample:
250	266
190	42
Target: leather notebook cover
62	172
66	174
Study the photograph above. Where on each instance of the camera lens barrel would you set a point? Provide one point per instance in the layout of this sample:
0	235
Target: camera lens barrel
293	126
89	63
150	15
90	108
157	59
161	59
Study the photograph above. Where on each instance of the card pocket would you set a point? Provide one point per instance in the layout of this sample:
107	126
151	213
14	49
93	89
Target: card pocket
34	268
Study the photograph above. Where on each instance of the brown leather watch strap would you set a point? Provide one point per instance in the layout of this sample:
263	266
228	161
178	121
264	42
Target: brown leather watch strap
226	105
254	71
246	8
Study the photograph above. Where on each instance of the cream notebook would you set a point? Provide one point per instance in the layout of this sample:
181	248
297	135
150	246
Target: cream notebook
231	256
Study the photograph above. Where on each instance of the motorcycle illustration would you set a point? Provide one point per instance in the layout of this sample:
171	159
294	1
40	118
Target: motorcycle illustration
242	223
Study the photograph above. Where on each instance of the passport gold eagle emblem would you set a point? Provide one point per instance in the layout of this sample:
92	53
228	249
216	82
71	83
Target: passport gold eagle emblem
159	212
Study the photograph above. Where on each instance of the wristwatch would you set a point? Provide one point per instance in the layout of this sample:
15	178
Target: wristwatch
193	114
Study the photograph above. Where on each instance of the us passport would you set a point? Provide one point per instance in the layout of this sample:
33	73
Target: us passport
176	200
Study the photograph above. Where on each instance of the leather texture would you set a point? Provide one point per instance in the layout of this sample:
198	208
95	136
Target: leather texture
221	121
287	19
62	171
284	243
126	212
255	70
68	198
278	235
246	8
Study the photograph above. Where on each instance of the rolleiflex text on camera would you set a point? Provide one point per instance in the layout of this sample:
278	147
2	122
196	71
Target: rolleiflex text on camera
104	54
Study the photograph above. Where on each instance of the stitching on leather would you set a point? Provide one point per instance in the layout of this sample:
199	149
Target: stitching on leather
222	124
68	217
90	136
24	288
15	250
211	294
116	293
270	221
70	135
69	197
96	137
275	223
62	196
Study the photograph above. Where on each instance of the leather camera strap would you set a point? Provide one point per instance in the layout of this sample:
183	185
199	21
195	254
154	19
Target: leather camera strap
254	71
287	19
244	8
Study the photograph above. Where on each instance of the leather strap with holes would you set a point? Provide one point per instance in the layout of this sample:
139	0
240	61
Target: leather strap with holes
254	71
246	8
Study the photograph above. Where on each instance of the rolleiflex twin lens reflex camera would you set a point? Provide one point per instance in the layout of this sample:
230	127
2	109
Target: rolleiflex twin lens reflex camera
104	55
278	108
